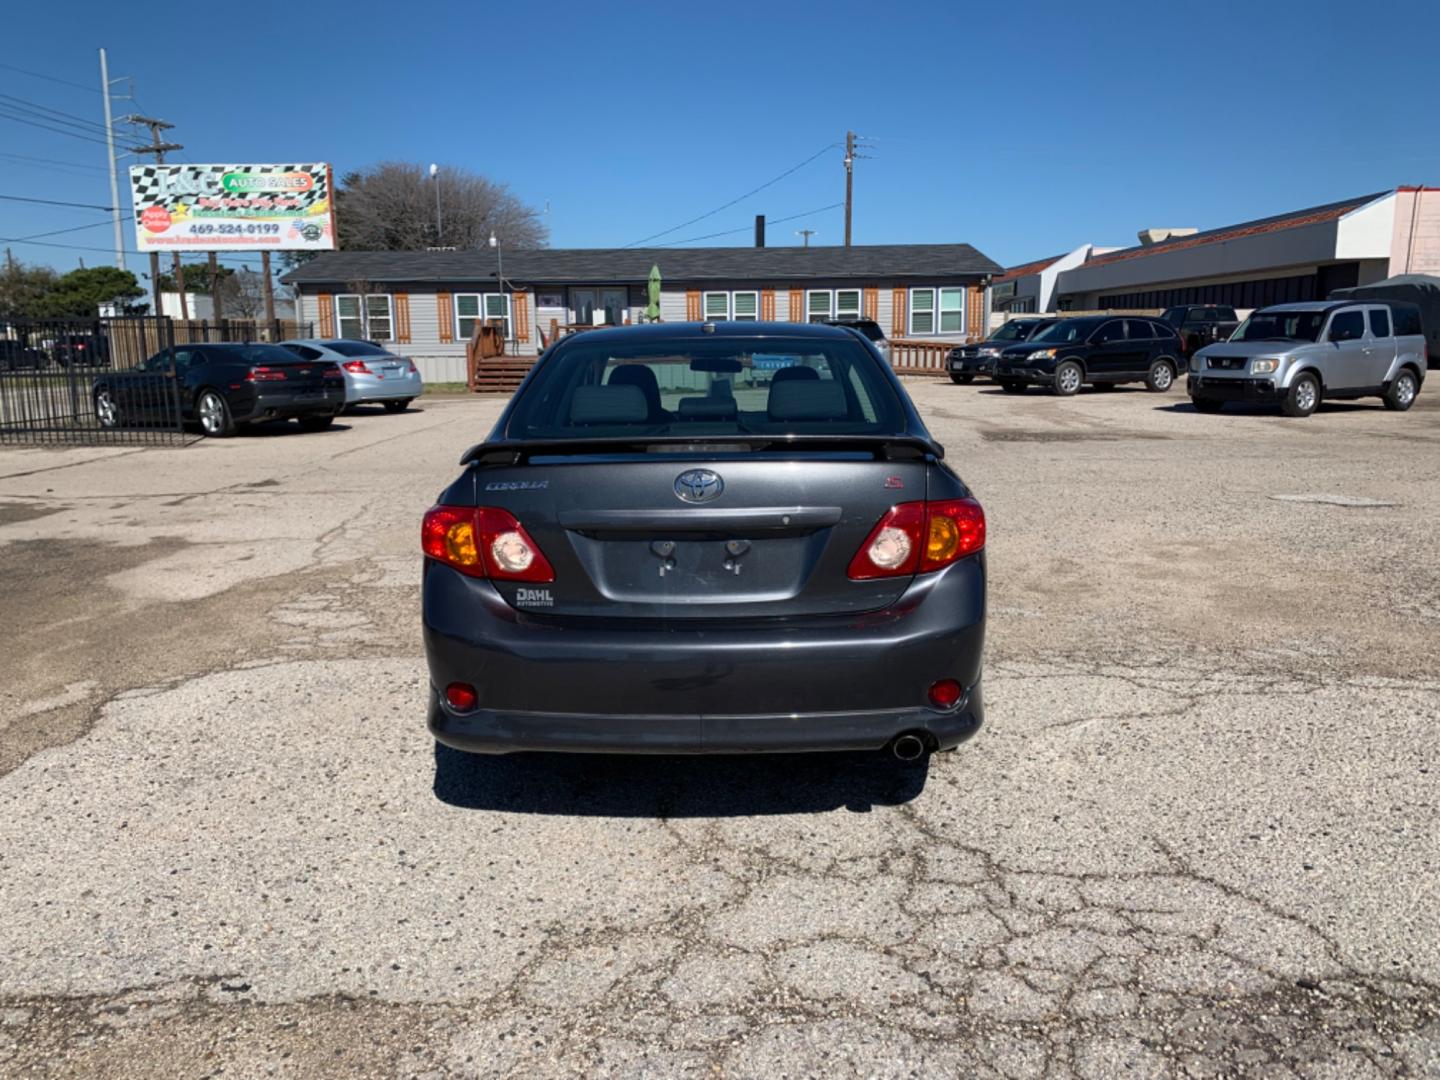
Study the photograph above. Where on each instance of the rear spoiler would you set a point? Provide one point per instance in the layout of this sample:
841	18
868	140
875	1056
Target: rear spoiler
887	447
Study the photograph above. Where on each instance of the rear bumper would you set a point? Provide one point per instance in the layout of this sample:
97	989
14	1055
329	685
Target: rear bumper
285	405
692	686
1237	389
369	388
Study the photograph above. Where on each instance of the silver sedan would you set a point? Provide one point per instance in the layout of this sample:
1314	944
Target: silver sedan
372	372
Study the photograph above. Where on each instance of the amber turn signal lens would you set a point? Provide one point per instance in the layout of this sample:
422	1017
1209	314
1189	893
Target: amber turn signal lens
943	540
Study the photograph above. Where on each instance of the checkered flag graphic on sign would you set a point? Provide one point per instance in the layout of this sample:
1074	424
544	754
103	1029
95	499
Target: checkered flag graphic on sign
171	185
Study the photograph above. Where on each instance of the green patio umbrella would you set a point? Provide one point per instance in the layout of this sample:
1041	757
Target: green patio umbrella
652	312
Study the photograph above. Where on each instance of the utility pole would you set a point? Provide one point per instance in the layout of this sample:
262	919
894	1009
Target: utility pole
114	180
806	233
849	180
160	149
269	288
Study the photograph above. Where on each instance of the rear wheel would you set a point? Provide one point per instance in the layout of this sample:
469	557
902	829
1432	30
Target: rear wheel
1207	405
214	413
1068	377
106	411
1401	394
962	380
1160	377
316	423
404	403
1013	386
1303	397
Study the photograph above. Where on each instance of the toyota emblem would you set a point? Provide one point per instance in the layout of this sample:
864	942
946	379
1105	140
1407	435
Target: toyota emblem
699	485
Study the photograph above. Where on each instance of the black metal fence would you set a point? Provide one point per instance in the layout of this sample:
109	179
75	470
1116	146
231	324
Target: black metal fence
61	381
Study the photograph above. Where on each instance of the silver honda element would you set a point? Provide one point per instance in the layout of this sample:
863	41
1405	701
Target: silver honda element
1295	355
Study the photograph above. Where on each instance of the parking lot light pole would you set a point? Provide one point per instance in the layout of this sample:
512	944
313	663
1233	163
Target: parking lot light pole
435	176
500	281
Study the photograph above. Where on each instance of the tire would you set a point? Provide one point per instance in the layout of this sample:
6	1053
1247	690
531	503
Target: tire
1403	389
107	412
1303	397
962	380
404	403
1161	377
1011	386
318	423
1207	405
214	413
1069	377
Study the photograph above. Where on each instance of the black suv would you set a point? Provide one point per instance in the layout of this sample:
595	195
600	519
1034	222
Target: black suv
979	359
1099	349
1200	324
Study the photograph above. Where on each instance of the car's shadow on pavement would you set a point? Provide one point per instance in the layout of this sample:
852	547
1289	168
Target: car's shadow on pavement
279	429
680	786
1261	408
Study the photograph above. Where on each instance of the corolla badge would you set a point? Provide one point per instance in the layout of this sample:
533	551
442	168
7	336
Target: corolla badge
699	485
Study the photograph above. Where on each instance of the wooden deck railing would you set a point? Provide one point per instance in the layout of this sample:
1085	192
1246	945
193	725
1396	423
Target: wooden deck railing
909	357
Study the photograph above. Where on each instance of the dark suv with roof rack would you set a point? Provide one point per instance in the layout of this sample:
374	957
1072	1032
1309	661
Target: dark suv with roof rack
1103	350
979	358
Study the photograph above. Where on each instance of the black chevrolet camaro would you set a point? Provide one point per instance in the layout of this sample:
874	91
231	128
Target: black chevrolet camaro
220	386
706	537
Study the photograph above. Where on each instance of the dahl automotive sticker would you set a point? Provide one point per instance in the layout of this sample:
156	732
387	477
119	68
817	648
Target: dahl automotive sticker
534	598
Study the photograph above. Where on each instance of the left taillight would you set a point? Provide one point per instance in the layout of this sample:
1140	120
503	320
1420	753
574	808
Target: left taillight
332	371
265	374
484	542
917	537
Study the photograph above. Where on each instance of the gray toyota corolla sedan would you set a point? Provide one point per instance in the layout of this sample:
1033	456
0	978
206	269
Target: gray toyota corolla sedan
711	537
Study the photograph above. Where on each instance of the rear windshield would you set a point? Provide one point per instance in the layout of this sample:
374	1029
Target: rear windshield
726	386
1015	330
255	354
1068	330
356	348
1280	326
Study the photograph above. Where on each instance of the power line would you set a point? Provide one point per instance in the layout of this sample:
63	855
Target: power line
753	191
747	228
56	202
50	161
45	112
58	232
228	257
22	119
49	78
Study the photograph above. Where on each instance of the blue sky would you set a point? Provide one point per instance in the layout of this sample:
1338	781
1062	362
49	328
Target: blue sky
1022	129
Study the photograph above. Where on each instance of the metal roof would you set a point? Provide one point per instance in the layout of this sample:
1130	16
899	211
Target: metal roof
563	266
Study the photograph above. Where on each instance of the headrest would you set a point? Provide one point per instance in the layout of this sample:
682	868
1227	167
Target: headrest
608	405
797	372
804	399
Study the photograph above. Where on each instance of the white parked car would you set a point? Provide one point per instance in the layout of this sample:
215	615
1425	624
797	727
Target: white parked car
372	372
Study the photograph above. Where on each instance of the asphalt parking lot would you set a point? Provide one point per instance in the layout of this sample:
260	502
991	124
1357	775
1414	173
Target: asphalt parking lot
1198	835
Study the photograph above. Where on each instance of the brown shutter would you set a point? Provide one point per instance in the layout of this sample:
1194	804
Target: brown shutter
326	310
975	314
521	315
402	318
797	305
898	326
445	315
767	306
692	306
872	303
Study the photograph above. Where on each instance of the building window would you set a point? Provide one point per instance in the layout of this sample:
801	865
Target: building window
933	310
819	305
717	306
745	306
952	311
847	303
467	311
922	311
365	318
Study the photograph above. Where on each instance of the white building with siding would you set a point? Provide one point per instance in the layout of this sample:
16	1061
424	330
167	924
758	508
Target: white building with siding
427	302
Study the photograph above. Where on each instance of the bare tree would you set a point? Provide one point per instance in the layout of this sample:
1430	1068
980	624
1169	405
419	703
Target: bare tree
391	207
243	294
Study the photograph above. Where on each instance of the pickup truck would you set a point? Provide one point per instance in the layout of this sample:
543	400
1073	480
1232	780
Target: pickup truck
1200	324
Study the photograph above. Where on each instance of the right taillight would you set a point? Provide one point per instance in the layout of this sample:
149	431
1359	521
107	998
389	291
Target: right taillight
356	367
917	537
483	541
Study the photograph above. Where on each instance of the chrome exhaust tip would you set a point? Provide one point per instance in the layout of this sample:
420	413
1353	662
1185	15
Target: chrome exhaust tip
908	747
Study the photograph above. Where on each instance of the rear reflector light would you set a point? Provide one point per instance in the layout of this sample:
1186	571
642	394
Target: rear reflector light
484	542
945	694
357	367
265	374
461	697
916	537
